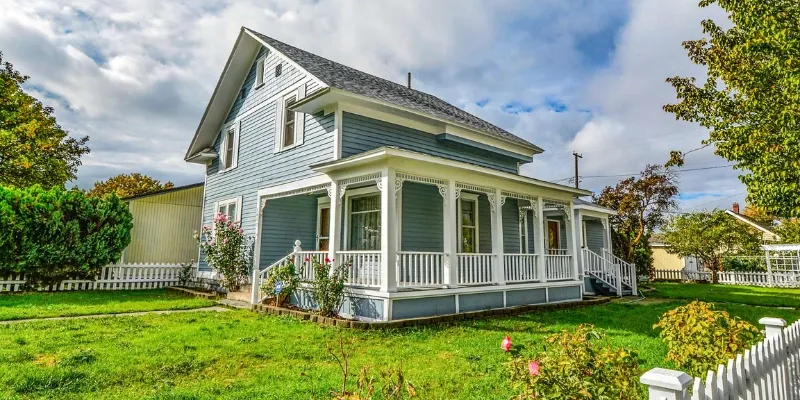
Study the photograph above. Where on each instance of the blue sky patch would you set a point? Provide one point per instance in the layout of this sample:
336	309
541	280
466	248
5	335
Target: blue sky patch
481	103
516	107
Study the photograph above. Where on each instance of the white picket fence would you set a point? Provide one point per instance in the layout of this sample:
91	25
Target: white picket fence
111	277
788	279
768	370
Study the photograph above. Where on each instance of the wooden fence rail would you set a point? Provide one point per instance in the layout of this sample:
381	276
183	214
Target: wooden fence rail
789	279
111	277
768	370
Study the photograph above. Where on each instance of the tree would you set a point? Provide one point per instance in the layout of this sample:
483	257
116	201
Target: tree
51	235
34	150
710	237
788	231
750	100
642	205
127	185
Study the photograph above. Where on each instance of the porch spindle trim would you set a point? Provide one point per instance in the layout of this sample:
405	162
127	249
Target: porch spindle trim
519	196
344	183
295	192
565	207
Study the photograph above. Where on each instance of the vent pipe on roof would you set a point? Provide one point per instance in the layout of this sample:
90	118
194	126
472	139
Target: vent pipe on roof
409	80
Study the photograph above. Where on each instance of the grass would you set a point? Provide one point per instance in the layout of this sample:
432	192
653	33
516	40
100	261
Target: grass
67	304
753	295
240	354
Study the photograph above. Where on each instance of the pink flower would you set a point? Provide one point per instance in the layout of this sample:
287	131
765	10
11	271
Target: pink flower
328	260
506	343
206	228
533	368
241	230
307	259
211	243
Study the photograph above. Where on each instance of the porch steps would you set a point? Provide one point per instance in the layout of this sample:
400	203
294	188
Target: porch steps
605	289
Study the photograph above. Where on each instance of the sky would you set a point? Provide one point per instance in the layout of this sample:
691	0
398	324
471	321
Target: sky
578	75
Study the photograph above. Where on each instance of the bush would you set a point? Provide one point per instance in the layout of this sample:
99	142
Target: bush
572	366
227	251
327	289
287	276
743	265
700	338
52	235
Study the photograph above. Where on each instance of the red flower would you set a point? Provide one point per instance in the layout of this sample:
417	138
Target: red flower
307	259
505	345
328	260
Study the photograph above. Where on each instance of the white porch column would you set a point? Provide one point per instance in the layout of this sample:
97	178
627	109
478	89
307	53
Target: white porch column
578	225
388	231
606	236
572	240
335	223
450	221
497	237
540	240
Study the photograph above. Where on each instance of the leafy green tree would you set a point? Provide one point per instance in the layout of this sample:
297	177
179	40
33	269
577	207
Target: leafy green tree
642	205
788	231
34	150
127	185
52	235
710	237
750	99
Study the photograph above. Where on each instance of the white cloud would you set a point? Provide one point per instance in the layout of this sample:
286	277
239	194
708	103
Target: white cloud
135	75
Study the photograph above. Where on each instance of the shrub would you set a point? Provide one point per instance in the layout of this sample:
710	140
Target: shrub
573	366
287	276
700	338
327	288
227	251
52	235
743	265
186	274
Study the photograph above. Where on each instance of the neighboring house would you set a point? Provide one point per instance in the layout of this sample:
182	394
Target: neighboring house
164	223
664	260
424	199
764	228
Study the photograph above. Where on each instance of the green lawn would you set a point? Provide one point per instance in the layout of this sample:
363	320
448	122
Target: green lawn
65	304
240	354
759	296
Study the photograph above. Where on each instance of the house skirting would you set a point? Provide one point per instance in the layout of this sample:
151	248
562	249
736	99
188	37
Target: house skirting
369	305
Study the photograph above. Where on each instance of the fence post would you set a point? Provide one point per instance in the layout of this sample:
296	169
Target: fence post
769	269
666	384
773	326
255	287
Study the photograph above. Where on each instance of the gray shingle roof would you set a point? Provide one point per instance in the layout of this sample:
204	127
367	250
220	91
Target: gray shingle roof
352	80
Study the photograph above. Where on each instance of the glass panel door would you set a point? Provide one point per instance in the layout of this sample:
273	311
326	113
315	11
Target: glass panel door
323	227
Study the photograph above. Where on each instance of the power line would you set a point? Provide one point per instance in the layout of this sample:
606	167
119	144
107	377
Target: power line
636	173
708	202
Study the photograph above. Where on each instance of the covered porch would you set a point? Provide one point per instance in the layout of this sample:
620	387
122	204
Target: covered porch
413	226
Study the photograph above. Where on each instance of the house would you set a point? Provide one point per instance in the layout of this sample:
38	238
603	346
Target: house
764	228
423	199
163	225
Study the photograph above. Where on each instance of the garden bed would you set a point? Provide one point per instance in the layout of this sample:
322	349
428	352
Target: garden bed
203	294
440	319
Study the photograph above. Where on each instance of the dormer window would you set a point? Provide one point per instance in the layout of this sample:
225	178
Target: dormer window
260	72
278	70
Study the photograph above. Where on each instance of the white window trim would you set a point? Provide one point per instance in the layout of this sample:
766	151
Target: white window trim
523	228
235	200
299	120
260	72
322	202
583	234
469	197
223	147
547	232
361	192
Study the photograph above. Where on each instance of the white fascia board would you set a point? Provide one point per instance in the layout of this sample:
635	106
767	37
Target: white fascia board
301	184
284	57
748	222
325	98
598	209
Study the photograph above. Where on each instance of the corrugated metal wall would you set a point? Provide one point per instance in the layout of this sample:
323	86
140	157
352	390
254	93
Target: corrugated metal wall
164	225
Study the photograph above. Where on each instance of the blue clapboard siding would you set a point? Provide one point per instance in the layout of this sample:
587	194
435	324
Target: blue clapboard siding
361	134
594	236
511	239
531	231
285	220
422	226
258	165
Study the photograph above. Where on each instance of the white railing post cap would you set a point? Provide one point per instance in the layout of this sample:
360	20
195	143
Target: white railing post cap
772	322
662	378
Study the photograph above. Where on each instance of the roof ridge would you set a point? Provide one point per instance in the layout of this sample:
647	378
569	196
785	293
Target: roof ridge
455	113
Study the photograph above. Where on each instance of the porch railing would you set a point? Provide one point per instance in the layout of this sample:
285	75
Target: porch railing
557	252
364	267
520	267
626	271
420	269
475	268
304	266
597	266
558	267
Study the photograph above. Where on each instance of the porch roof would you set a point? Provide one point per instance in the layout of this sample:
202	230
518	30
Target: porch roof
588	205
387	152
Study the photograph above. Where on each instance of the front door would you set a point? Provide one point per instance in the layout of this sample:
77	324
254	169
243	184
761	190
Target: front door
323	227
553	235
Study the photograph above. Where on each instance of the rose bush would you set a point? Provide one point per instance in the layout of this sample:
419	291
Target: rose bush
228	251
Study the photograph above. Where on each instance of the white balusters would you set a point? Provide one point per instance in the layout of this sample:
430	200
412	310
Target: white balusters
475	268
420	269
520	268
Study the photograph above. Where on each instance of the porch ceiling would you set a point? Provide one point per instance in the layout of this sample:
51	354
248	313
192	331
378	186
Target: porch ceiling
437	167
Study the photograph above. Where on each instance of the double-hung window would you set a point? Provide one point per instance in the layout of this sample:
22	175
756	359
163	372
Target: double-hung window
290	124
260	72
232	208
468	223
229	147
365	222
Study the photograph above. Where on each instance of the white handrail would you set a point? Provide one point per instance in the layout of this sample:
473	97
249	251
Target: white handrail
627	271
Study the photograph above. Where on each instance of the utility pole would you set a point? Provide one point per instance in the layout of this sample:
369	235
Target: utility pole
577	156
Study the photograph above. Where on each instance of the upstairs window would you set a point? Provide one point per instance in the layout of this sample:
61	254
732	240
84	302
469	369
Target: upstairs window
278	70
232	208
289	125
229	148
260	72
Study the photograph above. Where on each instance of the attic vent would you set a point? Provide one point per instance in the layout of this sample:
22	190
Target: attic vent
278	70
